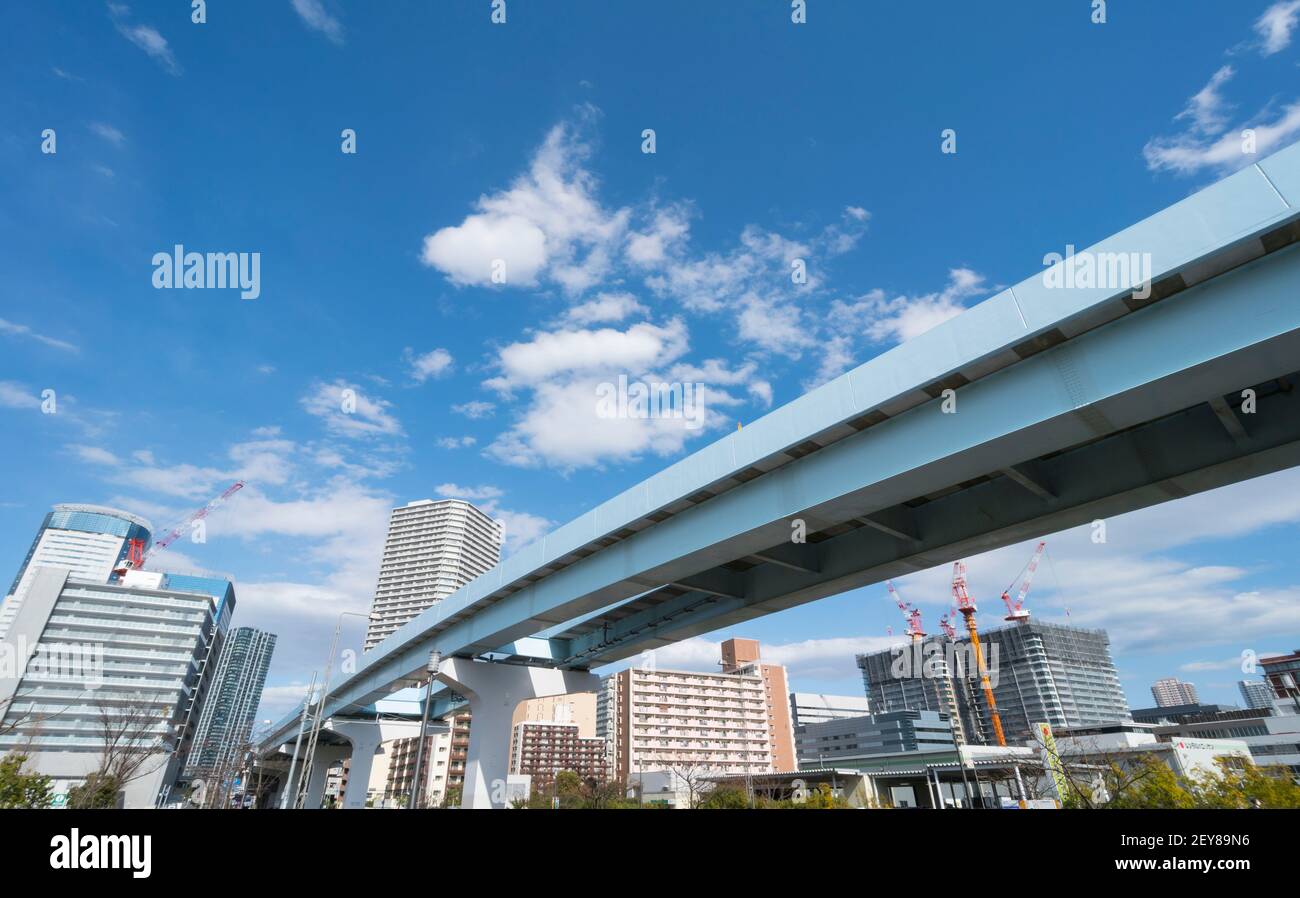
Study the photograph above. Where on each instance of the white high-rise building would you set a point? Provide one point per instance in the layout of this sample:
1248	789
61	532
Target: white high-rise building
1256	693
88	541
433	549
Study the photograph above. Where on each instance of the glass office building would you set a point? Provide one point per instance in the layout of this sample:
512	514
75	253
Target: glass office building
87	540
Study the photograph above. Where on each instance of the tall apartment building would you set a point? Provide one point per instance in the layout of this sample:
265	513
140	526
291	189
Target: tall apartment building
128	661
1255	693
401	767
732	722
541	749
226	723
816	707
1170	691
742	656
1039	671
87	540
433	549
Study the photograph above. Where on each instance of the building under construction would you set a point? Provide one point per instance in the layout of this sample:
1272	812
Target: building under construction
1038	672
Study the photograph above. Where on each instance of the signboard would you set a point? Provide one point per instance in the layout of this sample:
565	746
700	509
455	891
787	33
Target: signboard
1051	758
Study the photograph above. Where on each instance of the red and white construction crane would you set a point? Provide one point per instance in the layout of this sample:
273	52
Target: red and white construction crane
945	624
1016	612
136	556
912	615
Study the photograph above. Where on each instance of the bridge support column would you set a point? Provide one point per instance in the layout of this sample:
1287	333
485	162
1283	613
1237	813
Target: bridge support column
494	691
366	736
326	757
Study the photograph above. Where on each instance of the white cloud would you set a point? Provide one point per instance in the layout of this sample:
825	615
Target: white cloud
1276	25
109	133
316	17
520	527
455	442
94	455
560	427
367	418
1233	663
759	263
472	493
1208	143
1190	152
666	232
836	358
22	330
15	395
435	363
1207	109
559	424
547	225
777	324
605	308
259	462
548	354
146	37
474	409
899	319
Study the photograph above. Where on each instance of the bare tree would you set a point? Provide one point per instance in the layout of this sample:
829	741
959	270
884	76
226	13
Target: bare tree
131	746
691	773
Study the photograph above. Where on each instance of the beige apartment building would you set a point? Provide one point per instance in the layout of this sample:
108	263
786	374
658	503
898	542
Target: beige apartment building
742	656
444	763
736	721
578	708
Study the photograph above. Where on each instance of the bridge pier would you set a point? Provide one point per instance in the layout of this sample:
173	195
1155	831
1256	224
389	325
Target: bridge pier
366	737
326	757
494	692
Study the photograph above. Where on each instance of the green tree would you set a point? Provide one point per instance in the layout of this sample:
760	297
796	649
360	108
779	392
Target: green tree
568	786
1238	785
22	790
725	798
1149	783
824	798
98	792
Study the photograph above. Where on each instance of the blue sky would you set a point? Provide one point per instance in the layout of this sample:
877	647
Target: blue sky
773	141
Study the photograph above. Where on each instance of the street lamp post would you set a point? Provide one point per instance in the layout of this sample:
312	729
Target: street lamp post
289	787
435	661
